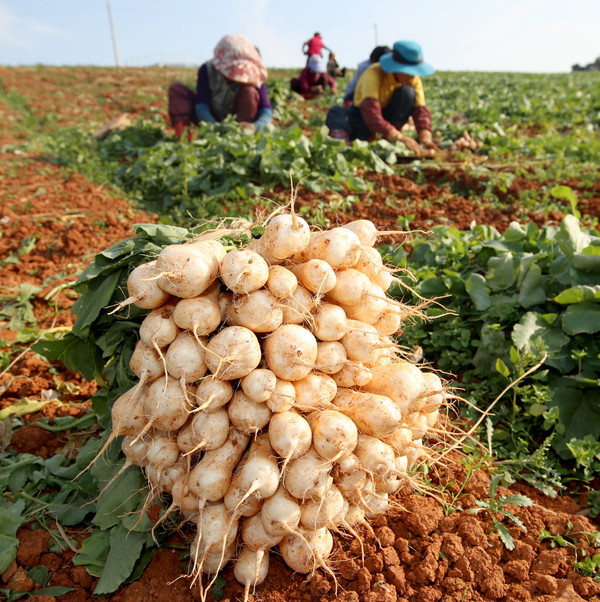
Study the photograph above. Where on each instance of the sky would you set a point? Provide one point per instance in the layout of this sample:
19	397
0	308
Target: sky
535	36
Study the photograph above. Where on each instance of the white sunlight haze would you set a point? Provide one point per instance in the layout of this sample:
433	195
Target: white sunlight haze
536	36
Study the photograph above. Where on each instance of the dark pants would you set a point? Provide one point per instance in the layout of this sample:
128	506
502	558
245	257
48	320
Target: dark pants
182	104
397	112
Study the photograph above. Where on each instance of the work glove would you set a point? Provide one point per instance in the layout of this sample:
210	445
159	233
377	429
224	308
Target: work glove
411	144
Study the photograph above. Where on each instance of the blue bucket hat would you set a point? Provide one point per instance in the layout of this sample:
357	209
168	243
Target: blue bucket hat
406	57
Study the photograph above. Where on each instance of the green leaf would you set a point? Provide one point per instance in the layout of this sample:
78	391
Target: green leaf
125	549
581	318
502	368
505	536
517	500
22	407
77	355
96	298
532	292
478	291
588	260
570	237
10	521
578	294
533	325
93	553
501	271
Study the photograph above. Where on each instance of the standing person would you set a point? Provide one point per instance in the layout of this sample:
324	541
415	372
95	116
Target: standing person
231	83
314	46
313	79
386	95
374	57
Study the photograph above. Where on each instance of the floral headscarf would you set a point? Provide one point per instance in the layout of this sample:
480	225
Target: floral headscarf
236	58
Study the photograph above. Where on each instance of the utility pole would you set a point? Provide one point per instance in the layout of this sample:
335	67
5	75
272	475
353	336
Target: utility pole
113	36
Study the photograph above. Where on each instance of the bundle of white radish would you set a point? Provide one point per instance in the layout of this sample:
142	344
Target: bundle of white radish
273	403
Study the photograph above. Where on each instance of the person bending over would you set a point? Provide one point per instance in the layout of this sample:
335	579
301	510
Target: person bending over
231	83
386	95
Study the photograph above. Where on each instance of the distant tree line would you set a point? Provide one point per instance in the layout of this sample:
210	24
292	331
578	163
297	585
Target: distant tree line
595	66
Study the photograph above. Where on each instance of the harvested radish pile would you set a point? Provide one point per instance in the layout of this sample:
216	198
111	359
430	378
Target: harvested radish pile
273	404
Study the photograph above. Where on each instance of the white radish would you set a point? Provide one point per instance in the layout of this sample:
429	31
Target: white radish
401	380
315	275
328	322
371	308
339	247
331	357
259	311
365	230
290	435
259	476
297	308
166	404
334	434
376	504
280	514
213	393
315	392
390	321
281	282
146	363
158	328
217	530
376	457
187	270
243	271
285	235
417	423
400	439
373	414
306	553
204	431
433	395
247	415
432	418
371	264
143	289
259	385
254	535
183	498
162	452
307	477
290	352
233	353
200	315
251	569
391	483
283	396
235	499
209	479
352	374
186	359
351	287
362	342
325	512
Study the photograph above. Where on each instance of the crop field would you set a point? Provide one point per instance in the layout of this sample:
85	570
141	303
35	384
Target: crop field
494	244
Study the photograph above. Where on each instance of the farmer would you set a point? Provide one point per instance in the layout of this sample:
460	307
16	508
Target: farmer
314	46
232	83
333	67
374	57
313	79
386	95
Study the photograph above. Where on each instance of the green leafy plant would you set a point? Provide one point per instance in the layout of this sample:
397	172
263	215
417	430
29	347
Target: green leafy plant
496	505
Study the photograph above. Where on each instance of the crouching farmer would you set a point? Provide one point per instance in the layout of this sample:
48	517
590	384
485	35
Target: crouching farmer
386	95
232	83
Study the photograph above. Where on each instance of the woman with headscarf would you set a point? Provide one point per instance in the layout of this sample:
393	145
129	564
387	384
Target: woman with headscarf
386	95
231	83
